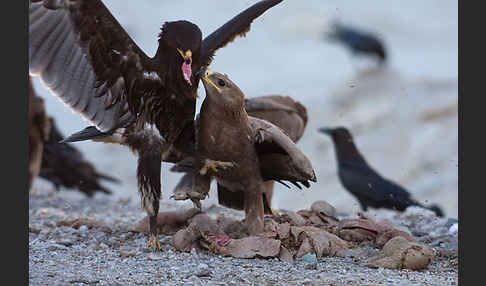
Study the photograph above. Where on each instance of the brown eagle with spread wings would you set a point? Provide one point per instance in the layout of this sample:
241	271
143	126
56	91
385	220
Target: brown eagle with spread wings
85	57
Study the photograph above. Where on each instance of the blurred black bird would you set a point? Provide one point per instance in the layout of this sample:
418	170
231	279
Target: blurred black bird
39	129
64	165
369	187
359	42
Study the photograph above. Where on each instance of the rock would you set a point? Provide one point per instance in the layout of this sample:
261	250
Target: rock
310	258
56	246
453	230
154	256
270	225
418	213
204	223
34	230
399	253
295	218
186	239
283	230
305	248
286	255
366	229
327	244
250	247
203	270
235	229
295	231
65	242
450	222
384	237
324	210
305	213
84	224
316	220
126	254
320	242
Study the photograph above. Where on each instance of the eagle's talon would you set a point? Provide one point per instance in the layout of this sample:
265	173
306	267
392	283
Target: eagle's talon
154	243
214	165
194	196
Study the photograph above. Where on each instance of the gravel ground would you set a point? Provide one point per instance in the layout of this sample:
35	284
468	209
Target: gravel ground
62	255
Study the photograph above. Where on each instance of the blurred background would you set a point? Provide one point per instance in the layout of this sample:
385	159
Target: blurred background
403	115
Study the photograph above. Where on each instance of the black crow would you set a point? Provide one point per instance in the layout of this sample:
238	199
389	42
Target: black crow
369	187
359	42
64	165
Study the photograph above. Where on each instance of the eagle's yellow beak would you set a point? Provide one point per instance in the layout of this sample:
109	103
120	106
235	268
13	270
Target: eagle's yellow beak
205	77
186	56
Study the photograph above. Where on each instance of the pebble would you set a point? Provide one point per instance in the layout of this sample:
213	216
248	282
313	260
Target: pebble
83	228
454	229
124	254
310	258
154	256
203	270
56	246
194	253
65	242
450	222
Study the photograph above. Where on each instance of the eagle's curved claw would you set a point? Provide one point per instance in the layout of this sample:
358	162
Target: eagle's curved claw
154	243
194	196
214	165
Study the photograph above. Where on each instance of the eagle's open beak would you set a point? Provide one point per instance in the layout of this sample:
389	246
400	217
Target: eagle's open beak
187	56
186	65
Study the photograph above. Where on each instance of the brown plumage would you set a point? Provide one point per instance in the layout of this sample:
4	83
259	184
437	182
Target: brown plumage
85	57
256	149
65	166
39	129
284	112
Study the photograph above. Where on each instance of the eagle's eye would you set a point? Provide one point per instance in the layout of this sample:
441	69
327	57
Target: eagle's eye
221	82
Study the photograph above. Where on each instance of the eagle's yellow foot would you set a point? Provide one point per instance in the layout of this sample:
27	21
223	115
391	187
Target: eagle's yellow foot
194	196
214	165
154	243
181	195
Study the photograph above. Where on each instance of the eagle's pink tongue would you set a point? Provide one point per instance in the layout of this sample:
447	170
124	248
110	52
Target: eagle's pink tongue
187	71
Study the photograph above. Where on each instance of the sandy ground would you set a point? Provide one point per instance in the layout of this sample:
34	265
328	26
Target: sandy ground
61	255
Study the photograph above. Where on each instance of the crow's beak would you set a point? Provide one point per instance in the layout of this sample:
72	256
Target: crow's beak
325	130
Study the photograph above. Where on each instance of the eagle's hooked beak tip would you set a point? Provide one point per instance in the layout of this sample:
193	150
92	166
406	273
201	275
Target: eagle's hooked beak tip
187	56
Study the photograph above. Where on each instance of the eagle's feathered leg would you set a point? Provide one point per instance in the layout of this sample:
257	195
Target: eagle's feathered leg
149	148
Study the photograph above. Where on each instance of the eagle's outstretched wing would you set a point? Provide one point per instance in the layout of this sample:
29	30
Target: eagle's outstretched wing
86	58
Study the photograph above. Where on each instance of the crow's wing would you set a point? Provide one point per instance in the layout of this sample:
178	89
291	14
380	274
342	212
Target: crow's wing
364	182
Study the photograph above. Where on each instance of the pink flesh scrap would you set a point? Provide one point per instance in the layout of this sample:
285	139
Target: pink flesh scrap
187	71
222	240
